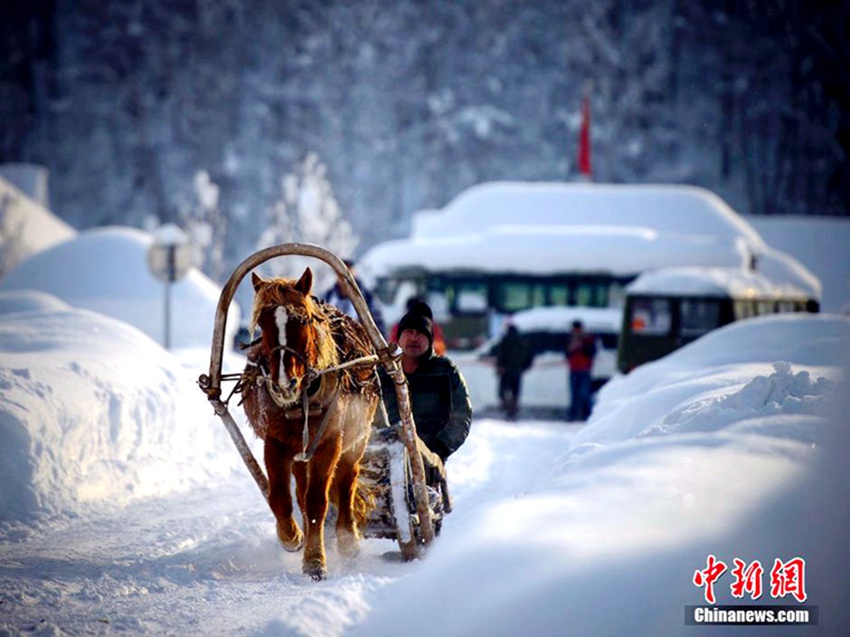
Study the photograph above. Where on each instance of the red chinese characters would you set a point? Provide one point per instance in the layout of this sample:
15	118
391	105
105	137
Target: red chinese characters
747	579
789	578
786	578
714	569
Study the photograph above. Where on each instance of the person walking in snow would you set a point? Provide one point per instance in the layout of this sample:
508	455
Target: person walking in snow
513	358
581	350
337	297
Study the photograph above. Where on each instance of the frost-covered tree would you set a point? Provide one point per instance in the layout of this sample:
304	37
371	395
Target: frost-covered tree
307	212
206	226
409	102
11	234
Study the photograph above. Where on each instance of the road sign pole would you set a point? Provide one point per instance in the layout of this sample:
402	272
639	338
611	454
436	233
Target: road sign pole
170	279
169	258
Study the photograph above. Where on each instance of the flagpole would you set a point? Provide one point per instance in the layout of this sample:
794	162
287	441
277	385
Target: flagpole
585	167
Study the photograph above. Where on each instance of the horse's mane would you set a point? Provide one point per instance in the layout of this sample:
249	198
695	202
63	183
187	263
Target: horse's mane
281	292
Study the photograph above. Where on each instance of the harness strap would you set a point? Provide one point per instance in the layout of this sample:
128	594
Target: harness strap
310	447
259	374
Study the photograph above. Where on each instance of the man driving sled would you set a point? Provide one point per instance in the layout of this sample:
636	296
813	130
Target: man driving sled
439	397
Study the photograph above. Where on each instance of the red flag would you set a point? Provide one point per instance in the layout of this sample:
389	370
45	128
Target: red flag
584	139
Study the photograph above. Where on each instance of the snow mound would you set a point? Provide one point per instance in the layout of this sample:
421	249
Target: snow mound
783	392
30	301
81	425
106	270
763	366
706	451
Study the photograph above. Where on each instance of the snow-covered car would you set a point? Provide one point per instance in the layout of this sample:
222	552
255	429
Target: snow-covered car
546	330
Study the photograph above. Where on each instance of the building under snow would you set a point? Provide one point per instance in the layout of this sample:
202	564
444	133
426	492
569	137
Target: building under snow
503	247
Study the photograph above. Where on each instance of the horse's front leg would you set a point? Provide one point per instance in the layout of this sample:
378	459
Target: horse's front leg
320	473
278	459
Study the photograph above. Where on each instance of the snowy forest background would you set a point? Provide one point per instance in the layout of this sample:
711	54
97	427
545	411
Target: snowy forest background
216	113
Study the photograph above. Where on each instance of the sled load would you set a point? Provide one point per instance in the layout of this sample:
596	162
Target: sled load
310	391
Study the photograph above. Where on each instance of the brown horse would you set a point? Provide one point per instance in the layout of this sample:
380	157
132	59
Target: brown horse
300	361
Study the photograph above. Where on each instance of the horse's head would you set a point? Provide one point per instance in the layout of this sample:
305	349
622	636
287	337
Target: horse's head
288	321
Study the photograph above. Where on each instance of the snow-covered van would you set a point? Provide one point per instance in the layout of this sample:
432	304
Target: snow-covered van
669	308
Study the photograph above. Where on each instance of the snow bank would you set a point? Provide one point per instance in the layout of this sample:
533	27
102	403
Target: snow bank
801	353
560	319
709	451
106	270
92	412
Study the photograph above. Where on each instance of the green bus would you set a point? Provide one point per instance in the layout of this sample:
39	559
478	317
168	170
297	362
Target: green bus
666	309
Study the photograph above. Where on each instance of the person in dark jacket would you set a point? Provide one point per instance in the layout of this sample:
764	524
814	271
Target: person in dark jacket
513	358
438	393
337	297
416	304
581	350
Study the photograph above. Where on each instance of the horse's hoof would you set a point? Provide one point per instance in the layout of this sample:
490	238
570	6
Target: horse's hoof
291	542
315	569
348	545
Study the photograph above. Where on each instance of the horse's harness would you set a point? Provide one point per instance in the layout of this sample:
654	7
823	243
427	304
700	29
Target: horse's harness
258	373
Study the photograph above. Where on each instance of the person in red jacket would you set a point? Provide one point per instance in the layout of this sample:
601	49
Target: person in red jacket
581	350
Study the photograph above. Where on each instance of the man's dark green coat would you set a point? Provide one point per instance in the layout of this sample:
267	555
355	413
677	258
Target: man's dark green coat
439	400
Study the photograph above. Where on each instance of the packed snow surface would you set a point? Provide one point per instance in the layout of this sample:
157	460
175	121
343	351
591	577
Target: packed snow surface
124	510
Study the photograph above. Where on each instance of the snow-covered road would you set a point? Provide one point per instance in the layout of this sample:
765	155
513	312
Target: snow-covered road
208	562
124	509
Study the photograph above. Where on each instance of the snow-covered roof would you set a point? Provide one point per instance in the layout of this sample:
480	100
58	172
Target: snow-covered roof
556	249
560	228
673	209
691	281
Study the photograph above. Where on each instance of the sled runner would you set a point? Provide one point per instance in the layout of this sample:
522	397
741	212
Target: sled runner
309	391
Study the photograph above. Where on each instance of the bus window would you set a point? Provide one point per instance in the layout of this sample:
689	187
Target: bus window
651	316
390	290
538	295
559	294
744	309
584	295
764	307
699	316
514	296
592	293
471	297
616	295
